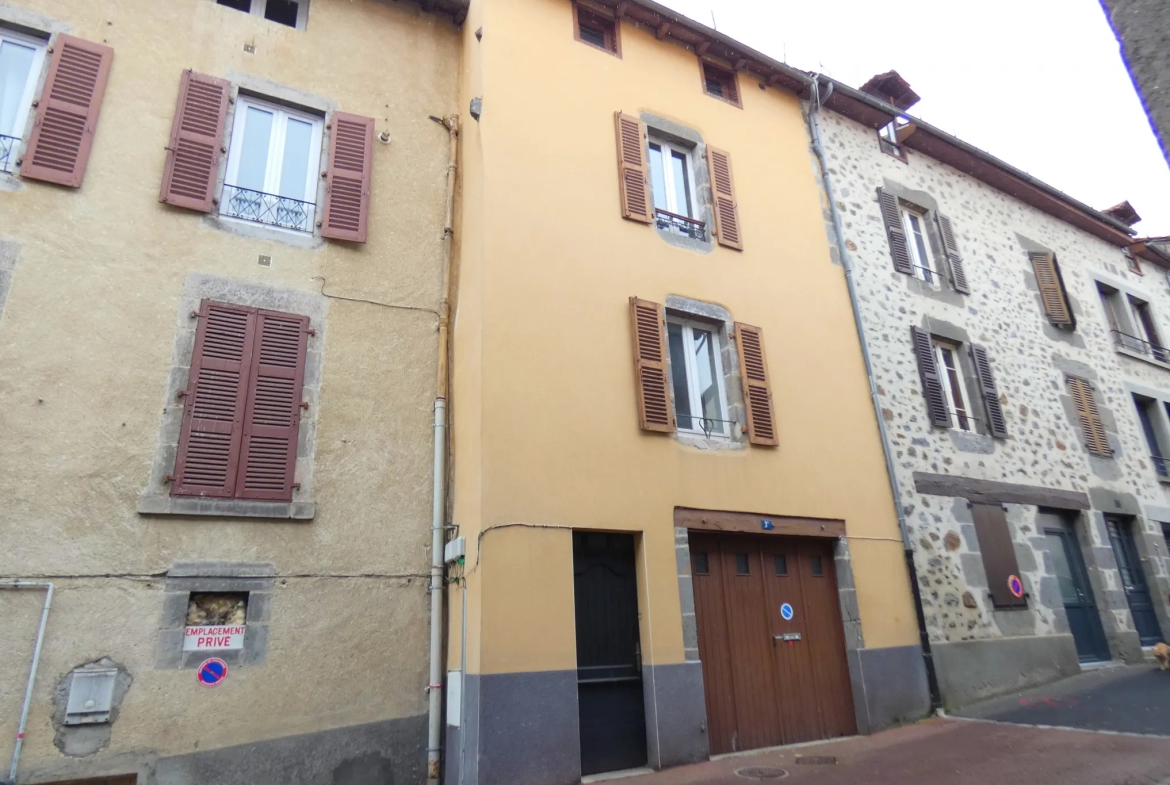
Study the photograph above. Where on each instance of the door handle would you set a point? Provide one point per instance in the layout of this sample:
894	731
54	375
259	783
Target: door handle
787	636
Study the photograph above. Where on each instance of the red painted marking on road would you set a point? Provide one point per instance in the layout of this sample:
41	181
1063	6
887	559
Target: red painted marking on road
1048	703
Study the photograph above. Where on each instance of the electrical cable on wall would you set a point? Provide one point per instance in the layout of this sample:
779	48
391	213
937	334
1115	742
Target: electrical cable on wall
323	293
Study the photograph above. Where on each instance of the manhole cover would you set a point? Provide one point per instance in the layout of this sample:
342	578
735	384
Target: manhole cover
761	773
817	760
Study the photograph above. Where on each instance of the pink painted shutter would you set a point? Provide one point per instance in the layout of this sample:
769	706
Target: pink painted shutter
209	442
67	113
273	416
347	182
196	140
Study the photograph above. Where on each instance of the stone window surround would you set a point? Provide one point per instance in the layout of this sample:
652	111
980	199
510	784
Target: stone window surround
1161	418
980	438
156	498
693	140
184	578
1103	468
1125	316
924	202
720	319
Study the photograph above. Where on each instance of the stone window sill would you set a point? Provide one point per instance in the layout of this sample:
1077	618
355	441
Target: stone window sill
160	504
1142	357
703	443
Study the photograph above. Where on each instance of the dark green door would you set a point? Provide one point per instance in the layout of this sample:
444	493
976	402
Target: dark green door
1133	579
1083	619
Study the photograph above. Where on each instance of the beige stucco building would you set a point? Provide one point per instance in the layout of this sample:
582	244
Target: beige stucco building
285	237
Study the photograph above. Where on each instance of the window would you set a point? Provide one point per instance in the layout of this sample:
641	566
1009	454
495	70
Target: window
721	83
816	566
702	565
1147	331
293	13
742	565
20	66
957	399
998	553
888	138
1092	426
1053	294
696	373
781	565
1147	410
914	225
672	188
1132	263
594	27
273	166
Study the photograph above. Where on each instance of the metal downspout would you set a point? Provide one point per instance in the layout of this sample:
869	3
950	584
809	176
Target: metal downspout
32	671
846	262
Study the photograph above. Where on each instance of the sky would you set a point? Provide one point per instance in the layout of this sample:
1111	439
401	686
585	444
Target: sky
1037	83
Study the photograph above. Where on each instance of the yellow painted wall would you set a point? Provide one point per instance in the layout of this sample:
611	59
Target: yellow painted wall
543	345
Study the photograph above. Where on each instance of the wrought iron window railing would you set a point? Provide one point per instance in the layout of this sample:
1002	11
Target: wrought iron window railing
1141	346
709	426
1161	465
270	209
680	224
8	149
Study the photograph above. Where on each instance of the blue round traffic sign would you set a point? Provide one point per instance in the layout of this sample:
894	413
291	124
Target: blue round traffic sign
212	672
1016	586
786	612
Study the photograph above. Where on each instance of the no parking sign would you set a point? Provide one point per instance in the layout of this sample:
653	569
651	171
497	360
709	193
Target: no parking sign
212	672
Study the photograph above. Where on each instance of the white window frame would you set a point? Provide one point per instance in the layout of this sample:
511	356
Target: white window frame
40	46
948	389
258	7
924	269
272	169
668	151
694	394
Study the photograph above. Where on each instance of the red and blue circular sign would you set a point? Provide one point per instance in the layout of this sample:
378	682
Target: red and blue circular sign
1015	586
212	672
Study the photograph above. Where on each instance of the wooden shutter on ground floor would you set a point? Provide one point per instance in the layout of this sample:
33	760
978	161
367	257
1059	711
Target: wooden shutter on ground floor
892	217
757	392
996	422
998	552
723	198
196	142
633	170
655	412
348	179
1092	427
932	390
954	258
67	112
1052	292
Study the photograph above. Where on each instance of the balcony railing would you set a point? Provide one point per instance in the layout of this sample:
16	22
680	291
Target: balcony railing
1161	465
680	224
1141	346
9	145
270	209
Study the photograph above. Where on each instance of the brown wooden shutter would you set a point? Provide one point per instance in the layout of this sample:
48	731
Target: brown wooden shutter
67	113
757	393
1110	312
892	217
723	199
1092	427
1051	289
272	418
196	142
954	258
213	418
654	410
998	552
996	422
633	171
932	390
347	182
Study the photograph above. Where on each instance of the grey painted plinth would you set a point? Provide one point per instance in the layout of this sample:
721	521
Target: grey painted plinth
973	670
889	687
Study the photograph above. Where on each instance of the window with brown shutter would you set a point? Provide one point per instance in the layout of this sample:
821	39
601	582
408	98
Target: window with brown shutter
720	82
67	112
932	384
632	170
895	233
757	391
1092	426
650	376
723	199
996	422
347	181
1052	291
998	553
196	138
597	27
242	404
954	258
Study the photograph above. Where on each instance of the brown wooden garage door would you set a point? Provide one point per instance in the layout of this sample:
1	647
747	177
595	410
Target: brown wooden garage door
763	690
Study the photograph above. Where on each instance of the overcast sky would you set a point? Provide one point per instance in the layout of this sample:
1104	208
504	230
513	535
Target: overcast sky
1038	83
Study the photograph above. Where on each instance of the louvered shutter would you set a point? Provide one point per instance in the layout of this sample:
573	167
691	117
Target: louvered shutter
1092	427
347	183
1051	289
954	258
196	142
213	418
996	422
654	410
757	392
633	176
932	390
273	414
723	198
998	553
67	114
892	217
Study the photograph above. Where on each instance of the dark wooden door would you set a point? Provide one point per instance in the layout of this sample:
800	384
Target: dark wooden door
771	641
1084	621
611	708
1133	580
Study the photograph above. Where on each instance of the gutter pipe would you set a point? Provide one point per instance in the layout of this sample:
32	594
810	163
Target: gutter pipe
32	671
819	149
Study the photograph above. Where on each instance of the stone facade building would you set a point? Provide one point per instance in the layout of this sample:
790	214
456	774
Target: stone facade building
1014	336
1143	28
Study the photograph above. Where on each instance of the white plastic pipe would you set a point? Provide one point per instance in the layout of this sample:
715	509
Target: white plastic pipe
32	671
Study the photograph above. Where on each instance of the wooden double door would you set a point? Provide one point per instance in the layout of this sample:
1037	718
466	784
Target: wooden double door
771	640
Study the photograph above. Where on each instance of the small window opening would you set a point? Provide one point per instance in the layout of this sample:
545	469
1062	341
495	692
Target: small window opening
781	565
596	30
239	5
816	566
696	370
702	567
1132	262
282	12
672	188
890	138
914	224
720	83
217	609
954	389
742	565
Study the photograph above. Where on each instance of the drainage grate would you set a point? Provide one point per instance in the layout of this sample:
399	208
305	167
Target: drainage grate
761	773
817	760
